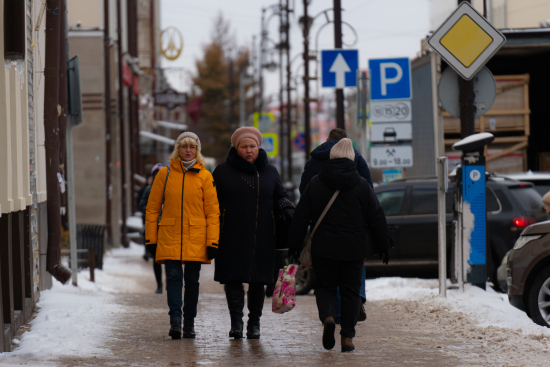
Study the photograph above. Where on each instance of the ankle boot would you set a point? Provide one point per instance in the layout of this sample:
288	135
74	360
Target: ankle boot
328	333
235	302
188	330
255	307
175	329
347	345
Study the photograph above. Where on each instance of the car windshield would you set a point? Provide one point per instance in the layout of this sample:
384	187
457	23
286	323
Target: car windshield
391	201
530	199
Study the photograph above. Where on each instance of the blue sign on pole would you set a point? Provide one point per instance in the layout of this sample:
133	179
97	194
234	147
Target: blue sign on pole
390	78
473	181
300	141
339	68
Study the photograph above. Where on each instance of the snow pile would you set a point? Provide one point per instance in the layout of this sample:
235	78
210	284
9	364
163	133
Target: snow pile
487	308
79	321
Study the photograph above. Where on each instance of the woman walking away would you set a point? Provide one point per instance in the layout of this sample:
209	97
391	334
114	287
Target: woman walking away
251	195
183	205
338	245
142	206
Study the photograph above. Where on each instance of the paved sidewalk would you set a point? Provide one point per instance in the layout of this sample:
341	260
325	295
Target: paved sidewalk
293	338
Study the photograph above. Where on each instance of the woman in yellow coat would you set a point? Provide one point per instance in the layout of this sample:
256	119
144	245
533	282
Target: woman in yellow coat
185	230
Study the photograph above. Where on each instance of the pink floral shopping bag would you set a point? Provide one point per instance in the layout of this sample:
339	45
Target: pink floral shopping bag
285	290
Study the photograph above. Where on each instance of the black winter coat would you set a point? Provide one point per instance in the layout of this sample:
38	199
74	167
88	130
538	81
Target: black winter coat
320	155
341	234
250	197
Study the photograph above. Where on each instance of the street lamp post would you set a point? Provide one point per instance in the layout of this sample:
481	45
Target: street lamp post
305	23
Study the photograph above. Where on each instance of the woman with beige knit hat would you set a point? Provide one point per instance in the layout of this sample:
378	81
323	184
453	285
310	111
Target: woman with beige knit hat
251	197
182	226
338	245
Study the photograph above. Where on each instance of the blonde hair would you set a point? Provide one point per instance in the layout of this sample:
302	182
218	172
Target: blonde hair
188	140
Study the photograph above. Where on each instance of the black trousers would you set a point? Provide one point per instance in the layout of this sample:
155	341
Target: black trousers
330	274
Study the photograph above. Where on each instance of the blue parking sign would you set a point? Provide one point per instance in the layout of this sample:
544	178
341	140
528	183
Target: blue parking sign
339	68
390	78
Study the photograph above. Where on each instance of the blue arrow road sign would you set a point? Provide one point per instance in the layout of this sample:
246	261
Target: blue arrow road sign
390	78
339	68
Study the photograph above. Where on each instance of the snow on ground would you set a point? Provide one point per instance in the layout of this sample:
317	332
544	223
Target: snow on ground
487	308
134	222
78	321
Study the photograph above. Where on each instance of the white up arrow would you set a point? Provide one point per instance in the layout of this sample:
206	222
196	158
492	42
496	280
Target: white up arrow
340	67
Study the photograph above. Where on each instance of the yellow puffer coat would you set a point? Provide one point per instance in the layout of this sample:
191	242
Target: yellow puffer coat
191	215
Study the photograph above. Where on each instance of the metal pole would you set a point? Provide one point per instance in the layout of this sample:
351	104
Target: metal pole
122	138
281	95
441	224
241	100
262	52
364	99
288	93
307	122
340	121
71	202
107	105
466	101
435	64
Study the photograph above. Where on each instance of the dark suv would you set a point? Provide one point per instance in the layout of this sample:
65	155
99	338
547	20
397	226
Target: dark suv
410	206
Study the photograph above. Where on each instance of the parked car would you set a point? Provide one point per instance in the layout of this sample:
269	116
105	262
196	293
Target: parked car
541	180
528	273
410	206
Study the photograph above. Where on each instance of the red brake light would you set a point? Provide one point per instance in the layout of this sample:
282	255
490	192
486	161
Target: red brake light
520	223
522	185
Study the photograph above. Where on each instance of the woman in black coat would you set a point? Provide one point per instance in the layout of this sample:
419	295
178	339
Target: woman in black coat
251	196
338	246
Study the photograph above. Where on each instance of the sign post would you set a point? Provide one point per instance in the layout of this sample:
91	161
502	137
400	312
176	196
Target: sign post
442	185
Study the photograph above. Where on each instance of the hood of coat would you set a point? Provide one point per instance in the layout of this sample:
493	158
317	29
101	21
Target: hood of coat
177	165
339	174
322	152
236	161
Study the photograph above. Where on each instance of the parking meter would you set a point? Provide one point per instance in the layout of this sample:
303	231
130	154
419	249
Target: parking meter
472	216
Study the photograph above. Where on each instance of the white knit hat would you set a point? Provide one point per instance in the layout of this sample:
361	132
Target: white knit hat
343	149
188	134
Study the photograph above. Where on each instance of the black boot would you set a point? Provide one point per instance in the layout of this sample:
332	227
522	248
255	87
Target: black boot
188	330
235	302
175	329
159	289
255	307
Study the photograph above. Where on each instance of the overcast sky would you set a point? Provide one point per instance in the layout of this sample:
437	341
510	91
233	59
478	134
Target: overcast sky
386	28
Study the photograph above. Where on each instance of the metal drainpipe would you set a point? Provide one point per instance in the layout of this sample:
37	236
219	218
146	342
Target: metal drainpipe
107	106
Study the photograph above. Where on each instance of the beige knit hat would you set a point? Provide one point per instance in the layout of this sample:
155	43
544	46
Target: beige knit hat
188	134
343	149
546	198
244	133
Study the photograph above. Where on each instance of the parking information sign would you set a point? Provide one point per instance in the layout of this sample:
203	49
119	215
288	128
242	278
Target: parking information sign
392	156
390	111
339	68
390	78
391	132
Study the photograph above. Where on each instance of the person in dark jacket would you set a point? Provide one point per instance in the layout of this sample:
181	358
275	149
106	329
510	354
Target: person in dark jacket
339	245
142	206
320	155
251	196
148	182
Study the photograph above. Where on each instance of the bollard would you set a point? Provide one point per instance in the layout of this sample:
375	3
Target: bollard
442	186
91	263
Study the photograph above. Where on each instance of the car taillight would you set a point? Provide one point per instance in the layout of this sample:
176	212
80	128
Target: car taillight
520	223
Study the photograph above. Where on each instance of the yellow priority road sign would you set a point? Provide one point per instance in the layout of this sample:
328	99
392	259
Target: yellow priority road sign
466	41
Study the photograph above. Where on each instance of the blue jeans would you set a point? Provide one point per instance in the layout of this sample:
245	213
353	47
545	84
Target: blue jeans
362	292
175	275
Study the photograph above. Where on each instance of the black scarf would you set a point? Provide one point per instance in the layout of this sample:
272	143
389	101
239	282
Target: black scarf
239	163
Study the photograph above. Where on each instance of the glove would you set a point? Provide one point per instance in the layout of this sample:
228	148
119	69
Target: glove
287	214
385	256
212	252
292	255
152	249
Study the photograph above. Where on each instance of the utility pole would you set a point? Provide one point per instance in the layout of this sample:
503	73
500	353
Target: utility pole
262	52
107	105
306	25
288	92
340	122
281	94
466	99
122	129
131	6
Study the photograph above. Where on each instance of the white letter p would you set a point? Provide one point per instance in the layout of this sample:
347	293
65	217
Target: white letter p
385	81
